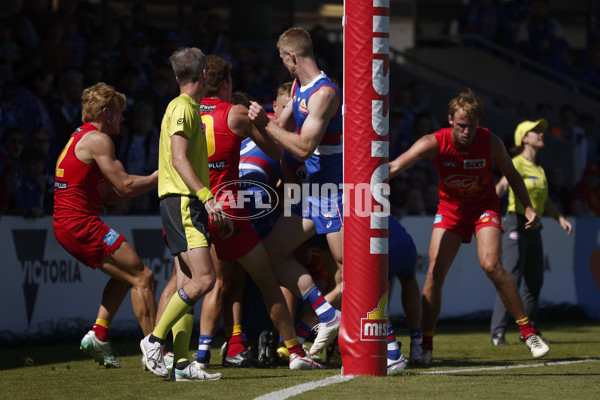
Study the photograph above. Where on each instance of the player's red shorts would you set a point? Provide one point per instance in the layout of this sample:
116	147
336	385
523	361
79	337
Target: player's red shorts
469	219
241	241
88	239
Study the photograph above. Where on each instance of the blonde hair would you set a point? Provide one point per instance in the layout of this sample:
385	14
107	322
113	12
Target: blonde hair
98	96
296	40
469	102
285	89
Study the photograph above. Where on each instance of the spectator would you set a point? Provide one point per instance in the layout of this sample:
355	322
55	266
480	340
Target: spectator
13	140
585	201
4	170
40	140
28	100
590	70
65	108
558	192
94	71
55	55
34	196
161	91
139	58
574	134
543	39
486	18
138	152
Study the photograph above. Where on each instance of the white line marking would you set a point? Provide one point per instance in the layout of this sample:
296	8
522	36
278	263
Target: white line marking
547	364
305	387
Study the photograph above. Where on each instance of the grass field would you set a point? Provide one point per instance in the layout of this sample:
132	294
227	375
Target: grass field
465	365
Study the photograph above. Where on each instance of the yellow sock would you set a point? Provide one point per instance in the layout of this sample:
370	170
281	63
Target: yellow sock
522	321
182	333
173	312
103	322
237	330
290	343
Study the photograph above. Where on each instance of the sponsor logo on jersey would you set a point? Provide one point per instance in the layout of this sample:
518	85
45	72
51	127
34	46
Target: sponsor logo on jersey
462	181
449	164
302	107
474	164
180	121
217	165
60	185
207	108
374	327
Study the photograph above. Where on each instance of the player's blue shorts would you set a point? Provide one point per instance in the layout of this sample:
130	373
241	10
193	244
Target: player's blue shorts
402	251
324	208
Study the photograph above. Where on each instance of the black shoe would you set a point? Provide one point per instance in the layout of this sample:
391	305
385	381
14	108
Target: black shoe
267	349
243	360
498	339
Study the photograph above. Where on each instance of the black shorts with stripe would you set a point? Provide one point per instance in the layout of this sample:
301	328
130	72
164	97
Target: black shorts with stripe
185	221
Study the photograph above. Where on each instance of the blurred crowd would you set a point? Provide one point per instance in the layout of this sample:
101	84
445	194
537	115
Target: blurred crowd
530	28
48	57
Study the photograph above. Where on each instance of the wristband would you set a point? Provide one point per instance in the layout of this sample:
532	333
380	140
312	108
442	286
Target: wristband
204	194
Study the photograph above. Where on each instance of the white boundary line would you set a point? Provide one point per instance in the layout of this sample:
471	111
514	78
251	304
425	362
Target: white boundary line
304	387
547	364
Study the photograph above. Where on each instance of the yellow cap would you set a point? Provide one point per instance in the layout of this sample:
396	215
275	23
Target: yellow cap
528	126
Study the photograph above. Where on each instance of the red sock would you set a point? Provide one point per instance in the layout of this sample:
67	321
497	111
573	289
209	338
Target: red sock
236	345
526	328
101	332
296	349
427	342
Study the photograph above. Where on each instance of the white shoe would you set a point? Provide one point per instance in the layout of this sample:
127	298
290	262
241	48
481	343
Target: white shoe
303	362
153	357
396	365
326	332
416	353
537	346
168	360
100	351
427	356
193	372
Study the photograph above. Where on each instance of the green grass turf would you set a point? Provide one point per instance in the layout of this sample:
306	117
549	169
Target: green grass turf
62	371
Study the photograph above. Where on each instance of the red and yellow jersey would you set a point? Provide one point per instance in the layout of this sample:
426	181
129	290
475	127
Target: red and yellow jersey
78	185
223	149
466	178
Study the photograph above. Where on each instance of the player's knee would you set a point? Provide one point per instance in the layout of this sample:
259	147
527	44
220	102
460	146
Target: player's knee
146	278
493	269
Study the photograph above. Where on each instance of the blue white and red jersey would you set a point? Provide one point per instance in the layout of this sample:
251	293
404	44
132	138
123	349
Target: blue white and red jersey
257	166
325	165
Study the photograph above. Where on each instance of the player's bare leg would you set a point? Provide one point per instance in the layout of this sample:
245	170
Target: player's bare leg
124	264
443	248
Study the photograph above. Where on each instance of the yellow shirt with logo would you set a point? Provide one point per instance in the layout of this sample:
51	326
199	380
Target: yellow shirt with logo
535	182
182	115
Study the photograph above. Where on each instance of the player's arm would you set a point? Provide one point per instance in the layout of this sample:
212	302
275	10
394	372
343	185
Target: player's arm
502	187
119	186
241	125
322	107
504	163
554	213
286	117
424	148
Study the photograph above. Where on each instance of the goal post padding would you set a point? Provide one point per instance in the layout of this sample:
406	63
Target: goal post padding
363	332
